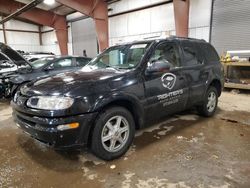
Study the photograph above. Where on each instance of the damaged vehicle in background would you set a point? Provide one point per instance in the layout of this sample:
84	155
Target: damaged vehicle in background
125	88
48	66
11	62
16	70
33	56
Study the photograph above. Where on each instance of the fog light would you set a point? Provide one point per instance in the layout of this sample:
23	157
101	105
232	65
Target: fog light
67	126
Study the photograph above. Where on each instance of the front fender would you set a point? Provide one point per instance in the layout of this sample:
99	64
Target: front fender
17	80
122	99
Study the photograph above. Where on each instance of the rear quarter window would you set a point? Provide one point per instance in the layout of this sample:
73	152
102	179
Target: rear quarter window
191	54
210	53
82	61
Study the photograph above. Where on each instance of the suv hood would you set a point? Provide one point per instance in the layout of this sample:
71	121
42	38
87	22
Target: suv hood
86	80
13	55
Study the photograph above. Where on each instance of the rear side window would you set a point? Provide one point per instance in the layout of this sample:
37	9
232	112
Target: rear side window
67	62
81	61
210	53
191	54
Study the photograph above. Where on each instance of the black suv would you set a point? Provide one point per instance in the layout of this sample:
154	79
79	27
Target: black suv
119	91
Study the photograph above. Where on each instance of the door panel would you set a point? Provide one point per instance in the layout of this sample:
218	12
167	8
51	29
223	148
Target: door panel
166	92
196	77
194	70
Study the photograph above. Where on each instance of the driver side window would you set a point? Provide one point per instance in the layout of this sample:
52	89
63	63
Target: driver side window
167	53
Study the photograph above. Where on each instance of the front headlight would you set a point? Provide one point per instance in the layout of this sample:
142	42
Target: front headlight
50	102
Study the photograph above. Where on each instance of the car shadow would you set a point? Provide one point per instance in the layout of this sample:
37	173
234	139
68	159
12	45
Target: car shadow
71	160
167	126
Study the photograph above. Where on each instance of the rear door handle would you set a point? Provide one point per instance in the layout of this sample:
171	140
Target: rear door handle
181	78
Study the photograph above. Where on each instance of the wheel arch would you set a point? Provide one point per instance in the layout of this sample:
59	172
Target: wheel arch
130	104
218	86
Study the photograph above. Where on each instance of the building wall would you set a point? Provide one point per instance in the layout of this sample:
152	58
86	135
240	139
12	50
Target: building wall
199	19
144	24
155	22
21	40
84	37
49	41
30	41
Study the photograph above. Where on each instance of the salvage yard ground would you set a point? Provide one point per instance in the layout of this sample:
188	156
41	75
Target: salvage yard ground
184	150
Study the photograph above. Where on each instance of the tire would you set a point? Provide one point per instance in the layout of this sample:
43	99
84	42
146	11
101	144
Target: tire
207	109
106	132
13	91
17	88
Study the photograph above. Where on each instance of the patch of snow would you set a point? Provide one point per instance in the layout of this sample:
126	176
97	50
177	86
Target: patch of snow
112	167
158	183
89	157
164	132
155	127
189	117
127	182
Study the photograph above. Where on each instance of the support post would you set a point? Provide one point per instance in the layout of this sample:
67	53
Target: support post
40	35
4	34
181	14
96	9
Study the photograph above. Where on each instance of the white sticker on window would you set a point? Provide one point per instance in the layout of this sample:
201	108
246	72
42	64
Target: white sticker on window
138	46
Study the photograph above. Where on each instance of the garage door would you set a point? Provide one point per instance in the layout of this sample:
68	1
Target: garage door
231	25
84	37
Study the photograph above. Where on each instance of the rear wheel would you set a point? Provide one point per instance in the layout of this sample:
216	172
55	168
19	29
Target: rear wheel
210	102
113	133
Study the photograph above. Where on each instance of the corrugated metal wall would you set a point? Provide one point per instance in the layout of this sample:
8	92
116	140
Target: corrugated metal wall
231	25
84	37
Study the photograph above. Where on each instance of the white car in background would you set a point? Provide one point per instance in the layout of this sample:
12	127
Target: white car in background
33	56
6	64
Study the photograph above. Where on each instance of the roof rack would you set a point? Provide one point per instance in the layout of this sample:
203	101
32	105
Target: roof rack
176	37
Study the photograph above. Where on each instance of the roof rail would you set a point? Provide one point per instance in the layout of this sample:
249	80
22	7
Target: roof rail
174	36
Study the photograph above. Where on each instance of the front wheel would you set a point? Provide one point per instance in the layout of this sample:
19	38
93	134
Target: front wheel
113	133
210	102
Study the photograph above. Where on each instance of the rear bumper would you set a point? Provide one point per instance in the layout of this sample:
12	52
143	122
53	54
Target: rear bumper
45	129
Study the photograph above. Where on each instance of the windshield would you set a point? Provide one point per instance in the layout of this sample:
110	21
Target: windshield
40	62
121	57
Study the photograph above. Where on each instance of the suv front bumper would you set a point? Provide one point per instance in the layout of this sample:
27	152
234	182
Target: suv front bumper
45	129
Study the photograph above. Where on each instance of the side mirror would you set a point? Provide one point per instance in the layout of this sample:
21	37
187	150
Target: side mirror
158	66
49	68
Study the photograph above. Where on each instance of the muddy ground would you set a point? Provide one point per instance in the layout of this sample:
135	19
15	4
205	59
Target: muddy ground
184	150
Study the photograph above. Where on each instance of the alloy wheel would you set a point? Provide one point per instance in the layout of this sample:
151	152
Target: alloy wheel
115	133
